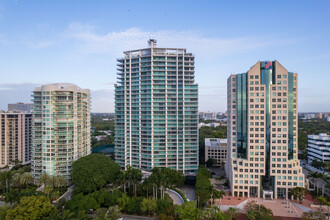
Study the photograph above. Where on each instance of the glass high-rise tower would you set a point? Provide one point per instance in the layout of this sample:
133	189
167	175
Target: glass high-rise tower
262	155
156	108
60	128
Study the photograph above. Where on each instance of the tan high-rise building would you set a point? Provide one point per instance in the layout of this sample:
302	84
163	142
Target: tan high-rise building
262	157
15	138
61	128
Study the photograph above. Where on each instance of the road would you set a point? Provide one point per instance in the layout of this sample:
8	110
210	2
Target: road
133	217
176	198
67	194
189	191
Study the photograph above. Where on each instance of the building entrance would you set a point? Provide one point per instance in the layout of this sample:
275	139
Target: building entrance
267	194
253	191
281	193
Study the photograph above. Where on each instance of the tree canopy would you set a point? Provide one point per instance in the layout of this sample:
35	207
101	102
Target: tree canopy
256	211
203	186
31	207
298	192
94	171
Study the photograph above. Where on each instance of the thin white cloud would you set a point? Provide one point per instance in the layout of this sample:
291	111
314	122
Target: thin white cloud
89	41
41	44
116	42
313	58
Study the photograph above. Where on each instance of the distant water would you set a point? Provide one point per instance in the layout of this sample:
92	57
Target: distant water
105	149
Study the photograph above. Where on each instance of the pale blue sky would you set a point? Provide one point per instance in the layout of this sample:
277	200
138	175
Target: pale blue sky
79	41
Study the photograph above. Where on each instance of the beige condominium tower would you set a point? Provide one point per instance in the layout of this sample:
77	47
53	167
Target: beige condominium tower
15	138
61	128
262	134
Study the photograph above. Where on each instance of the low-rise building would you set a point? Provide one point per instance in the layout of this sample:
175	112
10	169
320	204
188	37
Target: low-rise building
209	115
318	147
212	125
100	137
216	148
309	116
20	106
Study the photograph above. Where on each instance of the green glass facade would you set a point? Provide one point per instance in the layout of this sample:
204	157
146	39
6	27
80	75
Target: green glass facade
242	116
156	108
291	115
267	79
60	128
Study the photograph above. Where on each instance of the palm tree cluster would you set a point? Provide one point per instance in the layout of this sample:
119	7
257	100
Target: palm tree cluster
22	180
216	194
5	178
130	177
158	182
17	177
52	181
162	179
298	192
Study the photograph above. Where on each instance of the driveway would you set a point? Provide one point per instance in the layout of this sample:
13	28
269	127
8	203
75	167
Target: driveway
176	198
189	191
67	194
133	217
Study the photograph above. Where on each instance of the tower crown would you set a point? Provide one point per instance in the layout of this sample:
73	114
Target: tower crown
152	43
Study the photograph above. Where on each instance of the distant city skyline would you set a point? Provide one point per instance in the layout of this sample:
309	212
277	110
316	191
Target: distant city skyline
37	46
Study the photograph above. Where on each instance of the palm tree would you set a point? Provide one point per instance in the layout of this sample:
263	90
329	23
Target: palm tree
52	180
61	181
232	212
48	190
134	176
16	180
146	185
156	179
5	176
122	179
43	179
154	182
220	196
215	194
26	178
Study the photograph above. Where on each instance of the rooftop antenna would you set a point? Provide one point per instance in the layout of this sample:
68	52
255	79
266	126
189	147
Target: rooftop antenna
152	43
